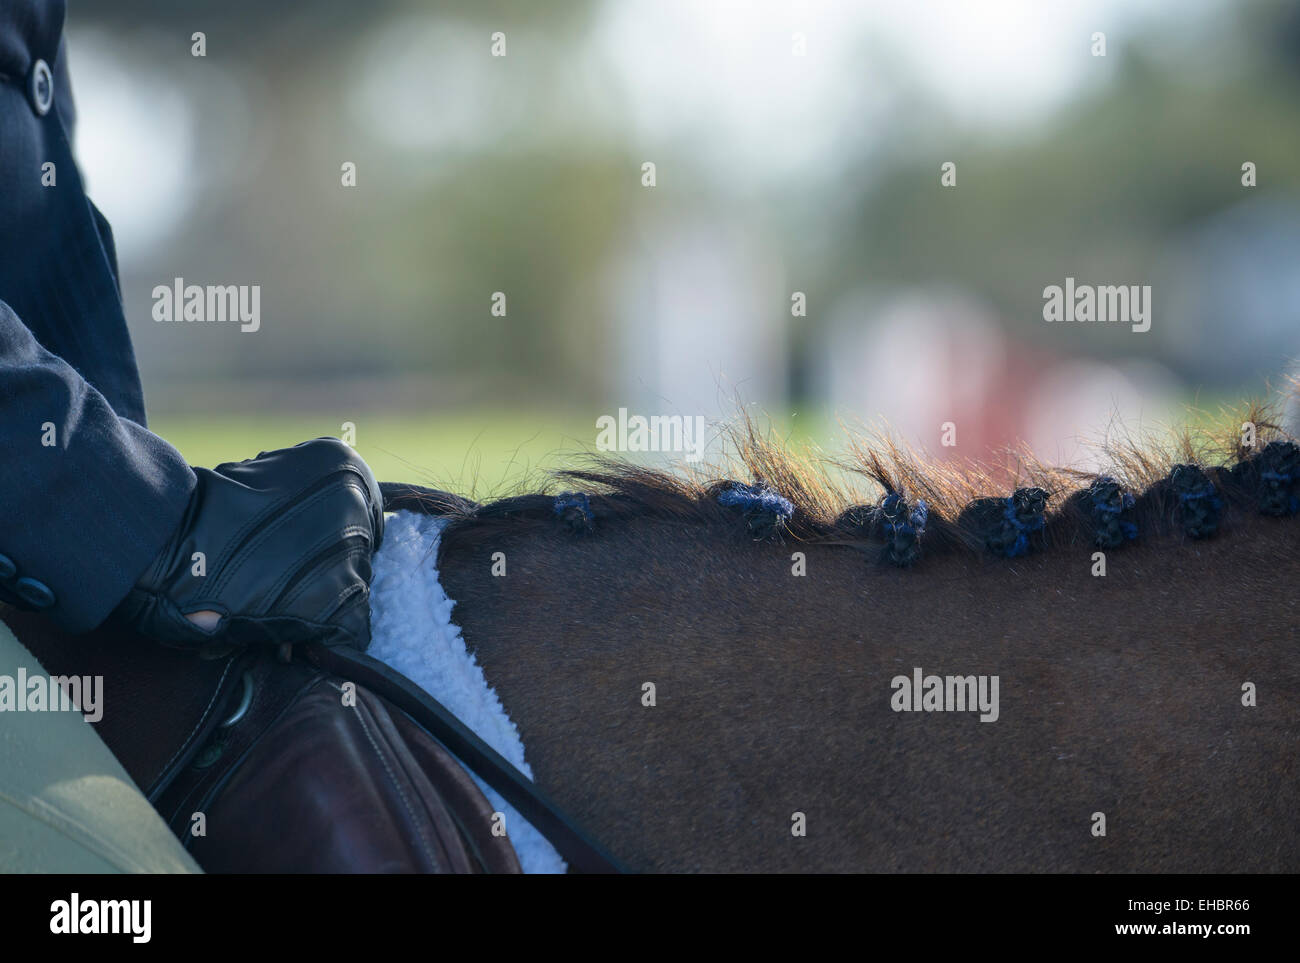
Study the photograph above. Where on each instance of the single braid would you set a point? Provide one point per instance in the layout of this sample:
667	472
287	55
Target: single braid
1279	473
903	525
1200	505
573	509
1108	502
1005	525
765	511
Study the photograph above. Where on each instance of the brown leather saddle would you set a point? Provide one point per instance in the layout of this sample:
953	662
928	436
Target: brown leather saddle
317	761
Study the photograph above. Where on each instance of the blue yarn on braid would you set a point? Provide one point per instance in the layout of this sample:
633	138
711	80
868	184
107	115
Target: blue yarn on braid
1108	503
1129	529
766	511
1010	512
904	525
1200	502
1279	472
1293	503
1005	525
574	509
757	498
914	524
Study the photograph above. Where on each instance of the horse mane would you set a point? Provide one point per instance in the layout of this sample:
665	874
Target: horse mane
1192	480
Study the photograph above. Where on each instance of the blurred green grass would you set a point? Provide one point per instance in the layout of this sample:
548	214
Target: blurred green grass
474	453
480	452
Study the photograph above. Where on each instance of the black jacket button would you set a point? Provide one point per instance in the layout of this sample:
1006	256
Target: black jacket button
40	88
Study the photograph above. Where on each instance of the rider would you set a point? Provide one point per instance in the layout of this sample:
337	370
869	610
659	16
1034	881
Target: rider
100	516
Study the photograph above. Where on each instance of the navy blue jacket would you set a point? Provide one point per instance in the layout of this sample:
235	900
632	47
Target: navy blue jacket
87	495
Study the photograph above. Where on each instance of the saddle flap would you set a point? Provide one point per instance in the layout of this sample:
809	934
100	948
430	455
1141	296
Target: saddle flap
332	780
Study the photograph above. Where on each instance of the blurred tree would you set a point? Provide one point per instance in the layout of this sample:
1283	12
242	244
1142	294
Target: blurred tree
1099	193
252	16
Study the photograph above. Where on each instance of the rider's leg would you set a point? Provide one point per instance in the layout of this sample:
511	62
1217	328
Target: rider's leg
66	805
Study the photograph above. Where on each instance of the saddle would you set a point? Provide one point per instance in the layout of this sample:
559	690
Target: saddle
316	761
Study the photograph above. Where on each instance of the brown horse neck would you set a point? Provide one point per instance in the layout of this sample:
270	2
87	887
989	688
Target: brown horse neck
771	690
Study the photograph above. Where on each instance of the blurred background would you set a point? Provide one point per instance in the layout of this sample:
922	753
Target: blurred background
798	148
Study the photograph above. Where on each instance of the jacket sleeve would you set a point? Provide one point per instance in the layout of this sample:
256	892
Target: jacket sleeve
87	498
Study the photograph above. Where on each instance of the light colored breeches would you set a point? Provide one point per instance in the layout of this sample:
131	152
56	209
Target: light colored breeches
66	805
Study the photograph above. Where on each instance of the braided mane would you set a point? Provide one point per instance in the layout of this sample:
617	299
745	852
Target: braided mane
1193	484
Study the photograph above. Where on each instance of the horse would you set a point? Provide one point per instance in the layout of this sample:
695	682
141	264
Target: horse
1075	673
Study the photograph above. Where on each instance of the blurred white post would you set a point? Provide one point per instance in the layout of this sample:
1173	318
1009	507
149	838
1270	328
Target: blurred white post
700	315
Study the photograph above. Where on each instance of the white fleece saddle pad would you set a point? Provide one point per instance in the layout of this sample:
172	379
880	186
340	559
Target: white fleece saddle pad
411	630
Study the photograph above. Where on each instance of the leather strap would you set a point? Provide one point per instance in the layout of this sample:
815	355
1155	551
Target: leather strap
580	851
